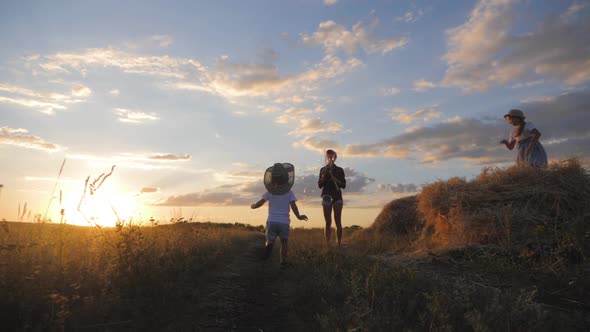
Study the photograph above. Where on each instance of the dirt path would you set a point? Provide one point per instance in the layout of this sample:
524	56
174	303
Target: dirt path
245	293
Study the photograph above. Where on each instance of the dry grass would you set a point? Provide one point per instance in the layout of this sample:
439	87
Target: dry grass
510	207
63	277
348	291
399	217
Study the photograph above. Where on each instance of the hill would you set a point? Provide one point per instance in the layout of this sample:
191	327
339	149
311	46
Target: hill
544	210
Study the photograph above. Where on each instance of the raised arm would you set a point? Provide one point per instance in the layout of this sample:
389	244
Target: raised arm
258	204
322	178
296	211
509	145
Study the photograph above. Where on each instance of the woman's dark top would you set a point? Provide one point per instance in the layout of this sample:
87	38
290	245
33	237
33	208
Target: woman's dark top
328	186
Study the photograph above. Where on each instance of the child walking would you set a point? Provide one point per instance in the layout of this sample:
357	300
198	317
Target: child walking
278	180
526	137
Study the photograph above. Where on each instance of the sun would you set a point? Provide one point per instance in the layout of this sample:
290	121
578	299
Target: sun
103	208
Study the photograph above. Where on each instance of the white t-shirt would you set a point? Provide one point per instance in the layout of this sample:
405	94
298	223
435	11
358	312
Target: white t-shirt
278	207
526	133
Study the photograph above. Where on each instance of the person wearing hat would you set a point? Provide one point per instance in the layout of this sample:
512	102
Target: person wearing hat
332	181
278	180
525	137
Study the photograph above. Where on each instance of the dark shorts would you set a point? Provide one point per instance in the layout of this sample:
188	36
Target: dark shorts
327	200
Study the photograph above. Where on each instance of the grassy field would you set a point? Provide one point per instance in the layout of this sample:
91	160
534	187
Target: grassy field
448	259
59	277
62	277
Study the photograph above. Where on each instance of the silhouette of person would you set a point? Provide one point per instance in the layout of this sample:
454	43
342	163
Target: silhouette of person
278	180
332	181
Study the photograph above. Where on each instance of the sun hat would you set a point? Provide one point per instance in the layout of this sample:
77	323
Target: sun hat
279	178
516	113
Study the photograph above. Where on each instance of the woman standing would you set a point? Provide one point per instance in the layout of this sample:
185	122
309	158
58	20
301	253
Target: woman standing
526	137
332	181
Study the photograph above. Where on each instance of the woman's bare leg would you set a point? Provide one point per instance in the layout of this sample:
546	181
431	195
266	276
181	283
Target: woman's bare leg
328	219
338	221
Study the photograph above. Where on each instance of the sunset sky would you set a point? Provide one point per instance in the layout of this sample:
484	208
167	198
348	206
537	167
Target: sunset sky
193	101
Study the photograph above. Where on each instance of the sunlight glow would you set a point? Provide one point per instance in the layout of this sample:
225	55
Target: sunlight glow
104	208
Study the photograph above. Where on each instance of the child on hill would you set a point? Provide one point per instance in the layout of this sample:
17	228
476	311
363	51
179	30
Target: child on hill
526	137
278	180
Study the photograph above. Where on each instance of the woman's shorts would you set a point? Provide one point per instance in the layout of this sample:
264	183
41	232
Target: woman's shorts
274	229
327	200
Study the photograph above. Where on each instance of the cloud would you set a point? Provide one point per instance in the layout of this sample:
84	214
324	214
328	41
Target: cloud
477	141
81	91
241	79
370	150
162	40
423	85
114	92
330	2
16	137
242	175
207	199
316	125
330	67
356	182
43	102
144	161
43	107
399	187
561	118
467	139
333	37
255	80
149	190
170	157
162	66
485	51
410	17
533	99
390	91
528	84
292	113
135	117
574	8
425	114
296	99
195	199
225	78
315	143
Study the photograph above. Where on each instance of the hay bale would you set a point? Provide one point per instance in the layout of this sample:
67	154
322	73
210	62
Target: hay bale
399	217
508	206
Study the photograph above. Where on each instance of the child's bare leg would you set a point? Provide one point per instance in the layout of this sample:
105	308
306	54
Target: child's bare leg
268	249
284	250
